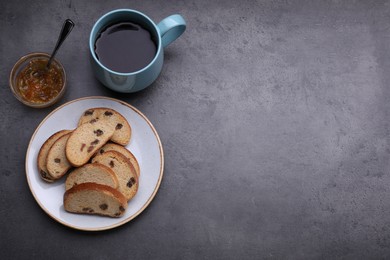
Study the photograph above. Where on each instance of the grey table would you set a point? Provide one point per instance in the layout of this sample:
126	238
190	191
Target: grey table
273	115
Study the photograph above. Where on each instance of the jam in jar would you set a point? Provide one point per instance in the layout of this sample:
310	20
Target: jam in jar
37	84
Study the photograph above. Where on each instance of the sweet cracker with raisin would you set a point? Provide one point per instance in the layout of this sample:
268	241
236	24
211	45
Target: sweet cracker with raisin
56	162
42	155
124	170
122	132
86	139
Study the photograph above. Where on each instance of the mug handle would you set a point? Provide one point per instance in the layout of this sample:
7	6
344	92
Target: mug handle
171	28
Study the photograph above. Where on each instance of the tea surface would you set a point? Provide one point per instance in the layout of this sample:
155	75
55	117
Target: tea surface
125	47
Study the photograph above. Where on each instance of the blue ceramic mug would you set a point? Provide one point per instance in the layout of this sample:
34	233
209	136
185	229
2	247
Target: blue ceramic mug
165	32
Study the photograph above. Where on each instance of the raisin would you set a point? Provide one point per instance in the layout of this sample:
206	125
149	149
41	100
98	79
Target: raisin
103	206
43	174
118	126
57	160
93	121
88	112
108	113
89	210
82	147
95	142
117	214
90	148
131	182
112	164
101	151
98	132
121	208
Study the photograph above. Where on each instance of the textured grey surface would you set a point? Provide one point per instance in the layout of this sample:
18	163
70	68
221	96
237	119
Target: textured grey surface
274	120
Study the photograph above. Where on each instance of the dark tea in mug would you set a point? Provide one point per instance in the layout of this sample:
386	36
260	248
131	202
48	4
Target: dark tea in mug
125	47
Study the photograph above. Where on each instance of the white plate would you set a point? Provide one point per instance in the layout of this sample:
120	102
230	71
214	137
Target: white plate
145	144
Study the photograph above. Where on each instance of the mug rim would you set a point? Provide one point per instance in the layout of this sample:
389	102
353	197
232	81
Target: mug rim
92	41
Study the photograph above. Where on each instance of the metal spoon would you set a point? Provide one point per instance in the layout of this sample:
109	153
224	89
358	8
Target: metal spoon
66	29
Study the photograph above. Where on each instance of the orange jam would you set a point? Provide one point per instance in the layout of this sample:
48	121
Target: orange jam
38	85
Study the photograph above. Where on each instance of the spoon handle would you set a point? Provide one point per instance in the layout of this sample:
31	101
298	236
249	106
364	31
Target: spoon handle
66	28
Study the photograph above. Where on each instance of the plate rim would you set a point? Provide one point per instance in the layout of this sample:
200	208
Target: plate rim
139	211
